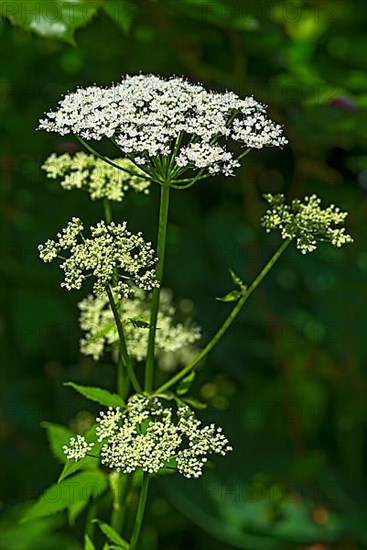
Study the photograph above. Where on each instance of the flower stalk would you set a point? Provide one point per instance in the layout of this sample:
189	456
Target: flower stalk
161	247
140	512
227	323
124	352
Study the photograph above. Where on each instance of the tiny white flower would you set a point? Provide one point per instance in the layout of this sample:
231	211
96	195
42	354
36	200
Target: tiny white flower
147	115
78	448
149	435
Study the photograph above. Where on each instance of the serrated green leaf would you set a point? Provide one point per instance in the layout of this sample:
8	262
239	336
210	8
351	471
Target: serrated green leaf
57	19
88	544
232	296
88	463
112	535
139	322
99	395
186	383
59	497
121	11
57	436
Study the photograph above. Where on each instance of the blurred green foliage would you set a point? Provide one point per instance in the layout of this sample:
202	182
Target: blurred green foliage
289	382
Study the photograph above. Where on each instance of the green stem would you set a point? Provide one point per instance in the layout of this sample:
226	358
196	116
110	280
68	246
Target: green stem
107	210
89	525
123	348
161	246
227	323
140	512
106	159
244	154
119	503
123	381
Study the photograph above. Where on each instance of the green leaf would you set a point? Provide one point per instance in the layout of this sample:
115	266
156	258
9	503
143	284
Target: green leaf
59	497
139	322
121	11
88	463
75	509
57	436
186	383
101	396
88	544
194	403
232	296
52	18
236	279
112	535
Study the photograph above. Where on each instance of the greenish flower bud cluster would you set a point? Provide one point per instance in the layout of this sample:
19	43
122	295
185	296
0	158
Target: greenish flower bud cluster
305	222
175	341
99	179
111	255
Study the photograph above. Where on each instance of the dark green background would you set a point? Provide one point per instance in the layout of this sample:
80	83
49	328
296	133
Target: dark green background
289	382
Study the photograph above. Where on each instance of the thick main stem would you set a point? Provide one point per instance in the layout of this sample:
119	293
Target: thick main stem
161	247
123	348
140	512
119	504
227	323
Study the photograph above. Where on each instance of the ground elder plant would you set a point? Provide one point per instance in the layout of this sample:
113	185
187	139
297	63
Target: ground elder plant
174	134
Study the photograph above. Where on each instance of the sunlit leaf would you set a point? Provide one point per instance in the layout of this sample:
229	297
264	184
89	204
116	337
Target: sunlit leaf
112	535
88	544
50	18
59	497
232	296
100	395
121	11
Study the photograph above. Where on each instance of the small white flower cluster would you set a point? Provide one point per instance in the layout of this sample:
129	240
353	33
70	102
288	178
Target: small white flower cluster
147	115
78	448
149	436
174	341
306	222
111	251
100	179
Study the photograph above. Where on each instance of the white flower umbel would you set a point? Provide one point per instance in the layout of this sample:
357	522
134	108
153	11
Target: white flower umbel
306	222
175	341
98	178
112	255
149	435
148	116
78	448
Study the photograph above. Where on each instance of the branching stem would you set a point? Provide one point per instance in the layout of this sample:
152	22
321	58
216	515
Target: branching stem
227	323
